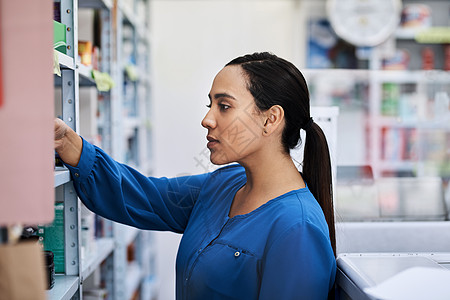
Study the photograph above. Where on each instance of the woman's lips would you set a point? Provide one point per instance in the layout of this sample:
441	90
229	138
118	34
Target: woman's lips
211	141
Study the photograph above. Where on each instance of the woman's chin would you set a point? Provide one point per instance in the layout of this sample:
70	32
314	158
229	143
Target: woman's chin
218	159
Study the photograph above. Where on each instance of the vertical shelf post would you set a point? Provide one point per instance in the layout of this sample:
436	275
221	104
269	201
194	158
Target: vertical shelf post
117	148
70	112
106	62
71	230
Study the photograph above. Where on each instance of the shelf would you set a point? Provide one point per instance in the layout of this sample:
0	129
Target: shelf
130	126
62	176
65	61
395	76
132	19
408	76
399	122
141	31
65	287
128	15
130	234
131	123
85	73
406	34
103	4
104	247
133	279
360	74
144	79
397	165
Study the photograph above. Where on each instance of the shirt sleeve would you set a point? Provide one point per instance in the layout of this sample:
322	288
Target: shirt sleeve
300	264
122	194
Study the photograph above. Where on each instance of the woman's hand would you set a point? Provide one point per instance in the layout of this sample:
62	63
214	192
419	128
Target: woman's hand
68	143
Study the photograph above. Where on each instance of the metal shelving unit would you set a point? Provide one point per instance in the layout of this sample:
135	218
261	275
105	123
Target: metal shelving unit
122	278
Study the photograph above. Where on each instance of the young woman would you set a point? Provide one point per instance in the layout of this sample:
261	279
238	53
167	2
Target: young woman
257	229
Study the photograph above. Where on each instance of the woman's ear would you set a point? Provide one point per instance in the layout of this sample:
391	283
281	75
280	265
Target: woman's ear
274	118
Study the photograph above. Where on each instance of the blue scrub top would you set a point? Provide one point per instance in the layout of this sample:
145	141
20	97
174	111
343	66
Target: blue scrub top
281	250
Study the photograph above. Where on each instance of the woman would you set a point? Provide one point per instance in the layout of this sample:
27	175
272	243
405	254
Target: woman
251	230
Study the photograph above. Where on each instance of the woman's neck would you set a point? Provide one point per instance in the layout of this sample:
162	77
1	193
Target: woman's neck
266	179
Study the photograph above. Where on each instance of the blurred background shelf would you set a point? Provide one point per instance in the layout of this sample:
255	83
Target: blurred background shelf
85	73
102	249
133	279
98	4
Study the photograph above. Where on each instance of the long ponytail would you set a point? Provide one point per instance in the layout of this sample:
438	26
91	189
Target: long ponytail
317	173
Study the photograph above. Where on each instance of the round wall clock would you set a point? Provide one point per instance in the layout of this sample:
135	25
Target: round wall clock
364	22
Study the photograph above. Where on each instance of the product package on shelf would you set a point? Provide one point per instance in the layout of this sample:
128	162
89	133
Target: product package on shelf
399	144
85	52
402	100
59	37
434	153
427	58
447	58
321	39
399	61
51	237
390	97
413	107
441	107
57	11
415	16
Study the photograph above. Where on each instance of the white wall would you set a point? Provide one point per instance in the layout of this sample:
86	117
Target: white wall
191	41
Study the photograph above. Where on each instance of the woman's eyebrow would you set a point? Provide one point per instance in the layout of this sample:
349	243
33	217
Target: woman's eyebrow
221	95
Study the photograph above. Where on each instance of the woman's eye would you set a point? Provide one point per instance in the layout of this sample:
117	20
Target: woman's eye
224	107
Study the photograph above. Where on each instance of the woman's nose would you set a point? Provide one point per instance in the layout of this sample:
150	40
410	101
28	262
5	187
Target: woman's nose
209	121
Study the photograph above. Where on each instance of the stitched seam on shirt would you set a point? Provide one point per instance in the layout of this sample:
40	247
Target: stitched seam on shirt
286	232
306	220
202	186
300	222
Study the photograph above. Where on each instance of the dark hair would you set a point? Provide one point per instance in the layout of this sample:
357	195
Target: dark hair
275	81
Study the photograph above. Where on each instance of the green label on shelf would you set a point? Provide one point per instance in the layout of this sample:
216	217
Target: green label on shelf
103	81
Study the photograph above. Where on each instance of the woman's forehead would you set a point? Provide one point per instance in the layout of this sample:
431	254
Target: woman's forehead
230	78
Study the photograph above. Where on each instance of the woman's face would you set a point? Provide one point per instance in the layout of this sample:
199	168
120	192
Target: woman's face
234	123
